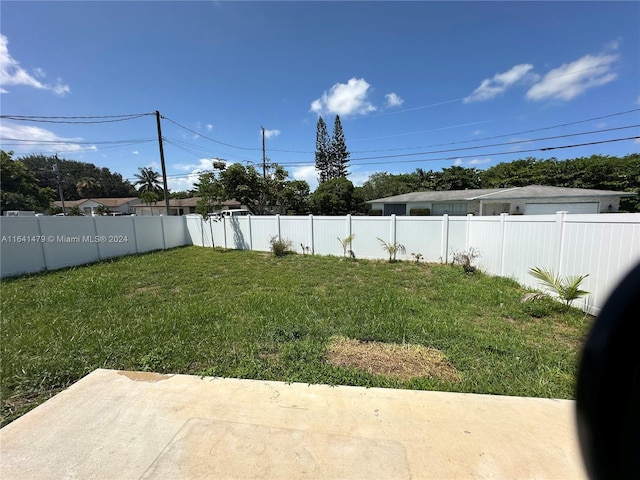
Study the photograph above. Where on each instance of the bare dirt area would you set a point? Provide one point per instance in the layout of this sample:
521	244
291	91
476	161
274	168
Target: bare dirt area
391	359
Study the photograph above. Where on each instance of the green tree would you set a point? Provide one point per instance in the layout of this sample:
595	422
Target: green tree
334	197
322	150
88	187
459	178
148	180
71	172
210	190
19	187
148	197
338	153
295	197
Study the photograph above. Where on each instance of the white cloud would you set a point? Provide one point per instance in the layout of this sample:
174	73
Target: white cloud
136	152
271	133
307	173
31	139
186	182
11	73
572	79
345	99
209	127
473	162
491	87
393	100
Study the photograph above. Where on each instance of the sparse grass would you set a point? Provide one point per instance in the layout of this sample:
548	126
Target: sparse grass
252	315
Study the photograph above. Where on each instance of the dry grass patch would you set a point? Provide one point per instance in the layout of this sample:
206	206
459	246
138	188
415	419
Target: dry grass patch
143	291
390	359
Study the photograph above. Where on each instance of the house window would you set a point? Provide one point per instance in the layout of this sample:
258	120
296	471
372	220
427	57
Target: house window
395	209
459	208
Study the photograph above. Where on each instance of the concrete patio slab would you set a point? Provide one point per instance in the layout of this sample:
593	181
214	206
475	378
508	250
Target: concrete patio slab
122	425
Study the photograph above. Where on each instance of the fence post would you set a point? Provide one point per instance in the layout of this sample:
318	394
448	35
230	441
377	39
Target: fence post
560	219
95	230
503	224
466	240
279	228
311	243
224	231
250	232
164	242
44	250
393	229
348	218
444	247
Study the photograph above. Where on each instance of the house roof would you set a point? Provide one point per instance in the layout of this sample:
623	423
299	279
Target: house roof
184	202
528	192
107	202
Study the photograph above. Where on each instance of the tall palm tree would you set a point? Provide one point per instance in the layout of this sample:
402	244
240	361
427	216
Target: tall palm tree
148	180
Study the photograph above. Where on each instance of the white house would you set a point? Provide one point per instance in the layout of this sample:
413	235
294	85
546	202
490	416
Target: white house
122	205
530	200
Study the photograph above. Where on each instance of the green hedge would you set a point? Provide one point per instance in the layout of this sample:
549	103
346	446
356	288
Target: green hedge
420	212
375	213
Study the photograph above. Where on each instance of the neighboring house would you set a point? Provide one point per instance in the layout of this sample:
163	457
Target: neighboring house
530	200
179	206
122	205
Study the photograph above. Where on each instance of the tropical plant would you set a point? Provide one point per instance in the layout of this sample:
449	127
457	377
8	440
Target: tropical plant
102	210
346	245
148	180
417	256
566	288
392	249
75	211
148	198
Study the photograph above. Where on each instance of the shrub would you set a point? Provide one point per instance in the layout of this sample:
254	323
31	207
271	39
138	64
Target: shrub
375	213
280	247
420	212
466	259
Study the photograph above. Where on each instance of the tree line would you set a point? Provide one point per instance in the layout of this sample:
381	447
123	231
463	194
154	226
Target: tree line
31	183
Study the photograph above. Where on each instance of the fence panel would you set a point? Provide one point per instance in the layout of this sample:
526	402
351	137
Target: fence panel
296	229
263	228
23	245
326	231
529	242
175	231
117	236
149	233
606	250
486	236
420	235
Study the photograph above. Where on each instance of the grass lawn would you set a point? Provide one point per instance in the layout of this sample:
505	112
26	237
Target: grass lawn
249	314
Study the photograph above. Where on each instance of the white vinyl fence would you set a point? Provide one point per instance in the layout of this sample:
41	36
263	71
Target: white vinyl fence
33	244
605	246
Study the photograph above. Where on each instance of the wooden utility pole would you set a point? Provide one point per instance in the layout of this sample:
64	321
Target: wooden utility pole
56	169
264	156
164	170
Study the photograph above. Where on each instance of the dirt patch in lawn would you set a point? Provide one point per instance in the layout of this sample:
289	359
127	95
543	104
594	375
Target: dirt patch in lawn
391	359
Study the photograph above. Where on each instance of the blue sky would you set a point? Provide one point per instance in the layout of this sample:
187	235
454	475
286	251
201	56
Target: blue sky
408	79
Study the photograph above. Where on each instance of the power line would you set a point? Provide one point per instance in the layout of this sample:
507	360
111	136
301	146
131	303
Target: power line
544	149
83	120
497	144
208	138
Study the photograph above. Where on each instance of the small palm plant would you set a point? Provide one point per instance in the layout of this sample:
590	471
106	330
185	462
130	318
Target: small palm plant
392	249
566	288
346	245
